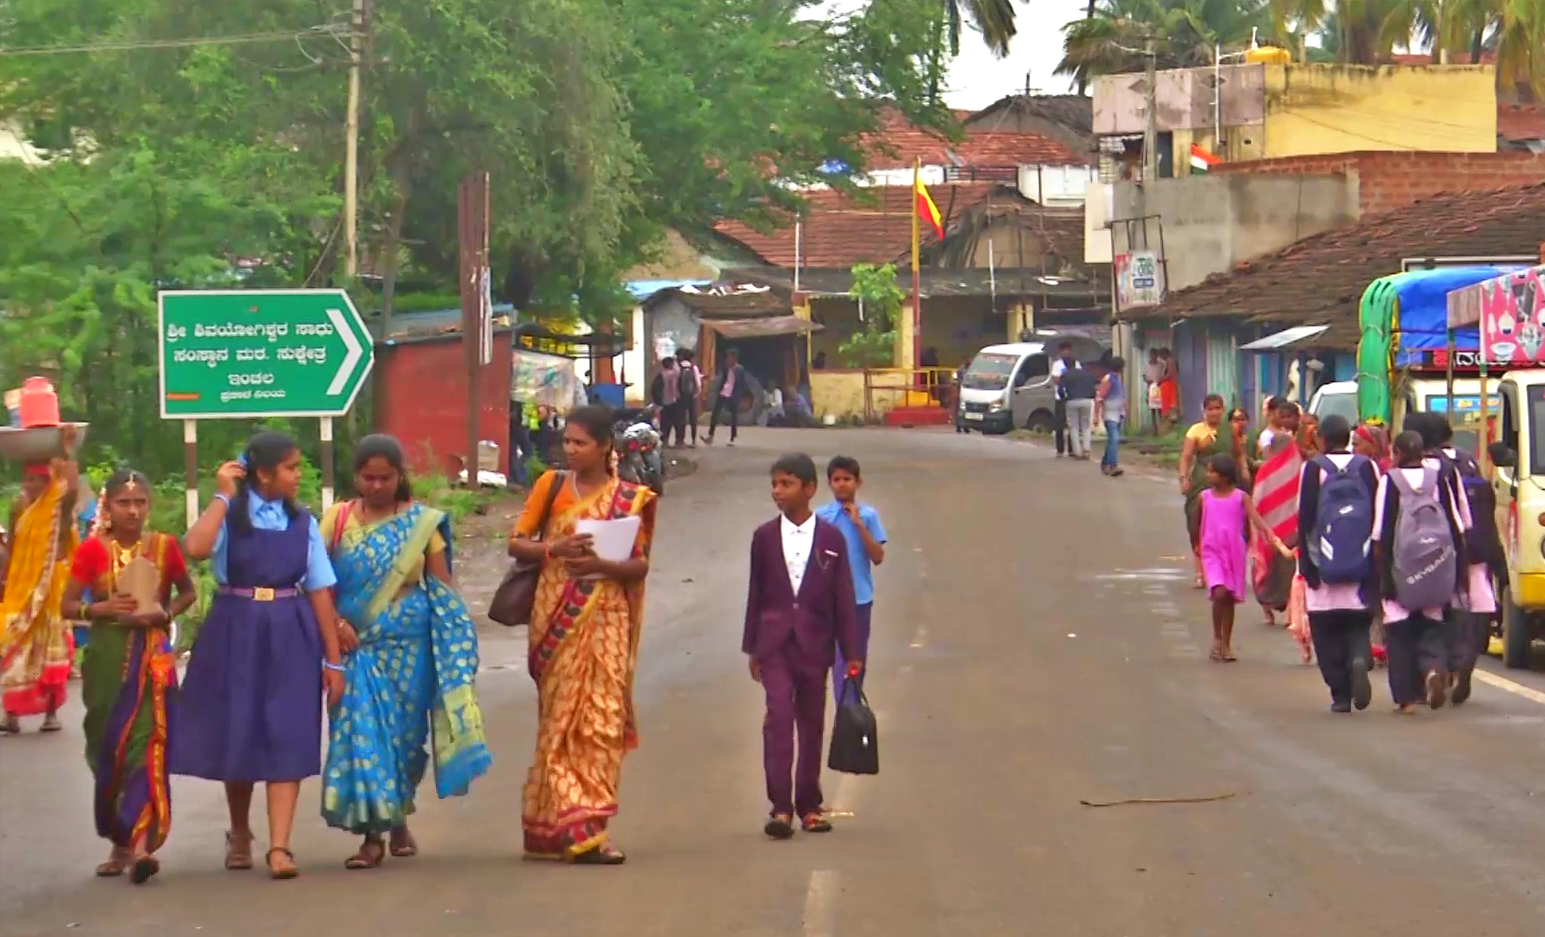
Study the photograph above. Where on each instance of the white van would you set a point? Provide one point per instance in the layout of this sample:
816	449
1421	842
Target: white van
1009	386
1419	395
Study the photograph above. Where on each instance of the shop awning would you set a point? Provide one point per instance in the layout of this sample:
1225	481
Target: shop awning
1285	338
762	328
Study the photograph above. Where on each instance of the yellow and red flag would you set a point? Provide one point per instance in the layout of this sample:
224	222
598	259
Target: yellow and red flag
924	207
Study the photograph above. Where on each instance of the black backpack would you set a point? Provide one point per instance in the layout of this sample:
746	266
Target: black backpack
1484	545
688	382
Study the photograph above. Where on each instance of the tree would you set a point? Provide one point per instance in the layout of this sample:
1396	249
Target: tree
879	299
994	19
1186	32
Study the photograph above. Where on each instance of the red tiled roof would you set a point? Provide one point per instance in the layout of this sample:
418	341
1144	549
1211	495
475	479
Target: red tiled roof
1521	121
839	230
1319	280
896	149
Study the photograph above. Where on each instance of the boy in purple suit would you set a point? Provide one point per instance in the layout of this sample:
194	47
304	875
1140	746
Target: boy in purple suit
799	612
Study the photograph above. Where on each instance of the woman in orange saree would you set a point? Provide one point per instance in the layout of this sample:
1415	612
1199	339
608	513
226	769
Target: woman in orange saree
584	636
35	645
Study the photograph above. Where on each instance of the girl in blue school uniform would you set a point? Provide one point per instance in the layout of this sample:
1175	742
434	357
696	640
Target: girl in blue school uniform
251	703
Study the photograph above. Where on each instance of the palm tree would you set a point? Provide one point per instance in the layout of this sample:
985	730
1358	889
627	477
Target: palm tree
1518	39
1186	34
994	19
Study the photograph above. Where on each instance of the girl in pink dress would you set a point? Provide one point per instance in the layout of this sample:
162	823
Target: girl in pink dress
1225	510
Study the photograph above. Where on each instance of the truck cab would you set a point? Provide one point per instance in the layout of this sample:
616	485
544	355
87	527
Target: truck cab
1519	481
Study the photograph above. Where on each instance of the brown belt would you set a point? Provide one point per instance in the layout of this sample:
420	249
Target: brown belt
259	593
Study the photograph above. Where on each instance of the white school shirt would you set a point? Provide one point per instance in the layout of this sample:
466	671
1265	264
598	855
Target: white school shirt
1338	596
798	540
1394	611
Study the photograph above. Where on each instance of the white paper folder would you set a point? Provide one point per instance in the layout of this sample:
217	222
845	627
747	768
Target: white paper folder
612	540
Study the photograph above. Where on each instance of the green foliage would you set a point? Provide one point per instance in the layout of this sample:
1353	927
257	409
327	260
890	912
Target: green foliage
879	299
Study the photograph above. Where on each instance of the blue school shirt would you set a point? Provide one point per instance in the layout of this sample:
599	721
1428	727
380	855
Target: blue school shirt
858	560
270	515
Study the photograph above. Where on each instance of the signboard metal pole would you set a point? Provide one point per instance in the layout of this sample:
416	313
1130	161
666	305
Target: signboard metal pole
327	463
190	467
472	224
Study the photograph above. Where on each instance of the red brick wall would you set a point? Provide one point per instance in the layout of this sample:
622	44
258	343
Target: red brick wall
421	398
1389	180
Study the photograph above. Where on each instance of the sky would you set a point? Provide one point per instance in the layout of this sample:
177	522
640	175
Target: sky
977	78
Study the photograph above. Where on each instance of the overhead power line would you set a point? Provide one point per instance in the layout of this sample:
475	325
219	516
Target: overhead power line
332	30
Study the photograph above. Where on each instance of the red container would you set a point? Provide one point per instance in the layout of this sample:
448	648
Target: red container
39	405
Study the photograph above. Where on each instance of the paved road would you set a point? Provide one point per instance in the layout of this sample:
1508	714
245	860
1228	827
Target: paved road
1037	644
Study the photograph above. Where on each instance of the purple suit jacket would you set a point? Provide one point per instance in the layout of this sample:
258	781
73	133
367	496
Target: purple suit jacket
823	614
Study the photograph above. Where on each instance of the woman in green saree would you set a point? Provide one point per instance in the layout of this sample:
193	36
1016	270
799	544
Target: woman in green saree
128	677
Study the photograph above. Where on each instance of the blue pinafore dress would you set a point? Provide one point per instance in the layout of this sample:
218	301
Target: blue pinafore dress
251	703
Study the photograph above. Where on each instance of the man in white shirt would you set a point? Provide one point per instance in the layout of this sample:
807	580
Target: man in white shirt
1059	418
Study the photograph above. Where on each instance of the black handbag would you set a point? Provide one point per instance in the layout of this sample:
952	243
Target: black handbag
516	594
855	747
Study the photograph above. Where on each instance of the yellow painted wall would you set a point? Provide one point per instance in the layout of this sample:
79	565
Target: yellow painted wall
1314	109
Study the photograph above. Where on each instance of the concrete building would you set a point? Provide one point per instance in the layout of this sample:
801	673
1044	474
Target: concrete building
1268	111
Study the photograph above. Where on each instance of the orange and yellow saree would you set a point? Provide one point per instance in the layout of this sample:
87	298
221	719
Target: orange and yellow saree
583	648
35	645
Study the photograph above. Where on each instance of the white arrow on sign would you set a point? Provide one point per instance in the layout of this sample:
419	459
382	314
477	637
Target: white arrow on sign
356	351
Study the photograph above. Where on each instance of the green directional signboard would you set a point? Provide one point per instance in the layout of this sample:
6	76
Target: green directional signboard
230	354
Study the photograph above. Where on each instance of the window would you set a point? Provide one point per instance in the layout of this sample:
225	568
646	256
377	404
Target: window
1535	394
1033	368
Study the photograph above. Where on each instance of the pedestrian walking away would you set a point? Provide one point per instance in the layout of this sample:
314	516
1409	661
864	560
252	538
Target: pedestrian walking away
1203	440
1111	409
128	672
1335	559
665	391
1276	495
36	645
799	612
583	644
1225	513
691	390
865	537
1469	623
729	388
1419	549
251	703
410	659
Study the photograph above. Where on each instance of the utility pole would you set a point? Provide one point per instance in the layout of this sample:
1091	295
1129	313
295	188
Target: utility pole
351	147
1151	124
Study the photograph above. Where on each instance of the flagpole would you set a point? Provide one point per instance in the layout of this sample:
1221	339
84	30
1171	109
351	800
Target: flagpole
917	312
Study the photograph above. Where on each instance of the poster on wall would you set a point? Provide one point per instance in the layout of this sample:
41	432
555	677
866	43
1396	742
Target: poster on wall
1510	310
1139	279
543	379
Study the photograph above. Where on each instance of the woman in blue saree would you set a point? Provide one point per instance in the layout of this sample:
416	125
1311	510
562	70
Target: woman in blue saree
410	662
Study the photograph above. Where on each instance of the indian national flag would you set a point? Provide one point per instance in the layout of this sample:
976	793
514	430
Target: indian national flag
925	208
1201	160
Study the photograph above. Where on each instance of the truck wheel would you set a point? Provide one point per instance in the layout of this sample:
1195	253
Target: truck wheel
1515	633
1039	422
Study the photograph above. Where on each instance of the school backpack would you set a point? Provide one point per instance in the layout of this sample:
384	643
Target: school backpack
1483	545
688	380
1425	558
1341	543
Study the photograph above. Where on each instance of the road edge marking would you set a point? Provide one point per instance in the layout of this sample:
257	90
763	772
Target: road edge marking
820	917
1503	683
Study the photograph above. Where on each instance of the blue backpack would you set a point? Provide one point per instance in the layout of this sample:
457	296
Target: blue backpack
1341	543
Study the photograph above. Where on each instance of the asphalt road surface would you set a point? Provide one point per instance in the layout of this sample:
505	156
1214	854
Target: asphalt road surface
1037	644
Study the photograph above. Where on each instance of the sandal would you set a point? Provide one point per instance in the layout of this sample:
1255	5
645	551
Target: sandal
604	854
50	723
238	852
779	826
372	852
117	862
281	873
145	869
10	726
403	846
815	823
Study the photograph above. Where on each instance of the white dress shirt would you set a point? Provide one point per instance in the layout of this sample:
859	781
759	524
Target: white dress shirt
798	541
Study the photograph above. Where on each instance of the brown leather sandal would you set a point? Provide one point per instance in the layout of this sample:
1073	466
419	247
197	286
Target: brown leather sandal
281	874
117	862
372	852
238	852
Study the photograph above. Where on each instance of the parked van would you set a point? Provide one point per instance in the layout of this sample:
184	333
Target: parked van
1519	481
1418	395
1009	386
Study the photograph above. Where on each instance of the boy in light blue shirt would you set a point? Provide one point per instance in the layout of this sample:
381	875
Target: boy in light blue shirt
865	535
